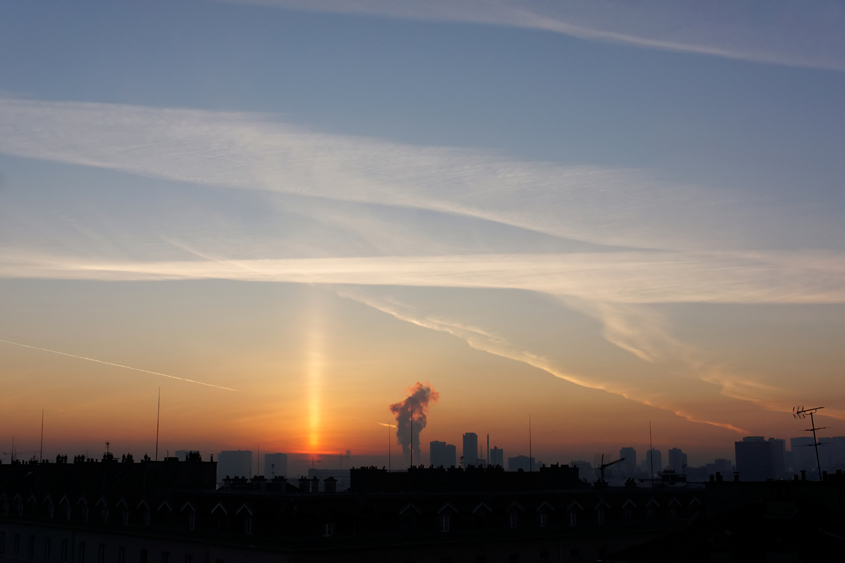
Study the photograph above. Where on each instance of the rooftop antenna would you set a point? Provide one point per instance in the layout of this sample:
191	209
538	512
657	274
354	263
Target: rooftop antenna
801	412
412	441
158	417
604	465
388	447
651	454
258	458
41	451
107	447
530	455
487	464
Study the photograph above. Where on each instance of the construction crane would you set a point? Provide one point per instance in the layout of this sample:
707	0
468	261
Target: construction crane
604	465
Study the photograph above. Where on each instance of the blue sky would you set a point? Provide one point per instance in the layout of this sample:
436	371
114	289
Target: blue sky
666	179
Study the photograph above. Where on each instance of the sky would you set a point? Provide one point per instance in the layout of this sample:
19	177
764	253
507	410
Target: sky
285	214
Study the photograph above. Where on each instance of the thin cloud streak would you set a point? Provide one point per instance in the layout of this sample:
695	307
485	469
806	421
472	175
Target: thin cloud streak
485	341
117	365
792	33
607	277
625	208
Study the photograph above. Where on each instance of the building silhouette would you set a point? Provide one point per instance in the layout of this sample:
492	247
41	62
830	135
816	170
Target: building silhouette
754	460
653	458
470	451
497	457
628	467
803	454
522	462
275	465
442	454
234	464
677	460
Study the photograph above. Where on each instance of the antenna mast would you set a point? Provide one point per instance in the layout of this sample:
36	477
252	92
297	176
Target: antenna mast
651	454
158	418
530	455
41	451
801	412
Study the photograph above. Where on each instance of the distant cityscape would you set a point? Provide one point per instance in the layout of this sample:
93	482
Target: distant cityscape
756	458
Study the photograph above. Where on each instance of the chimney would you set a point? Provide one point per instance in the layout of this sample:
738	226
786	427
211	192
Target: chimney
330	484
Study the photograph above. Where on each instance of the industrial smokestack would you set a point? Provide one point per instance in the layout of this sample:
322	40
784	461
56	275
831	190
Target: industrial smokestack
410	417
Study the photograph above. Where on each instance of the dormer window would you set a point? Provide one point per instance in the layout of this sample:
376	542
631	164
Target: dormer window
192	520
513	520
328	529
544	519
445	522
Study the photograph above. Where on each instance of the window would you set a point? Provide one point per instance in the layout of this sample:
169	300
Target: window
2	543
192	520
248	525
146	518
143	558
574	556
189	558
629	514
105	514
444	522
121	554
64	551
673	513
125	517
31	550
573	518
46	549
544	519
650	514
513	520
101	553
599	516
545	557
165	557
328	529
81	550
16	546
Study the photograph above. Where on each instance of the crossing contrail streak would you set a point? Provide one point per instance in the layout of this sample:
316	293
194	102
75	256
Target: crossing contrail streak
117	365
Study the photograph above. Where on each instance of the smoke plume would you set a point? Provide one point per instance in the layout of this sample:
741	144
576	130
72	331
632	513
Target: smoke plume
410	417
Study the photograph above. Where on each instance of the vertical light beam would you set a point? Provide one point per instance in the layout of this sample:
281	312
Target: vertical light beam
315	363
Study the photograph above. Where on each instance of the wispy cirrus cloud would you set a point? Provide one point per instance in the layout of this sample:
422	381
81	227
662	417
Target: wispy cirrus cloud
779	32
619	240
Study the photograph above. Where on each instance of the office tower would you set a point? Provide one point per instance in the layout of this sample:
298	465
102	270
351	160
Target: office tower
470	452
803	454
275	465
754	460
677	460
628	467
721	466
652	458
778	448
497	457
442	454
522	462
234	464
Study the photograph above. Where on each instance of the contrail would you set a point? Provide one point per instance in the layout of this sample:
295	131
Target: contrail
388	425
117	365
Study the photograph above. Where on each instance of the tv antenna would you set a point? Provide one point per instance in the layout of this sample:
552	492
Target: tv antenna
603	465
801	412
